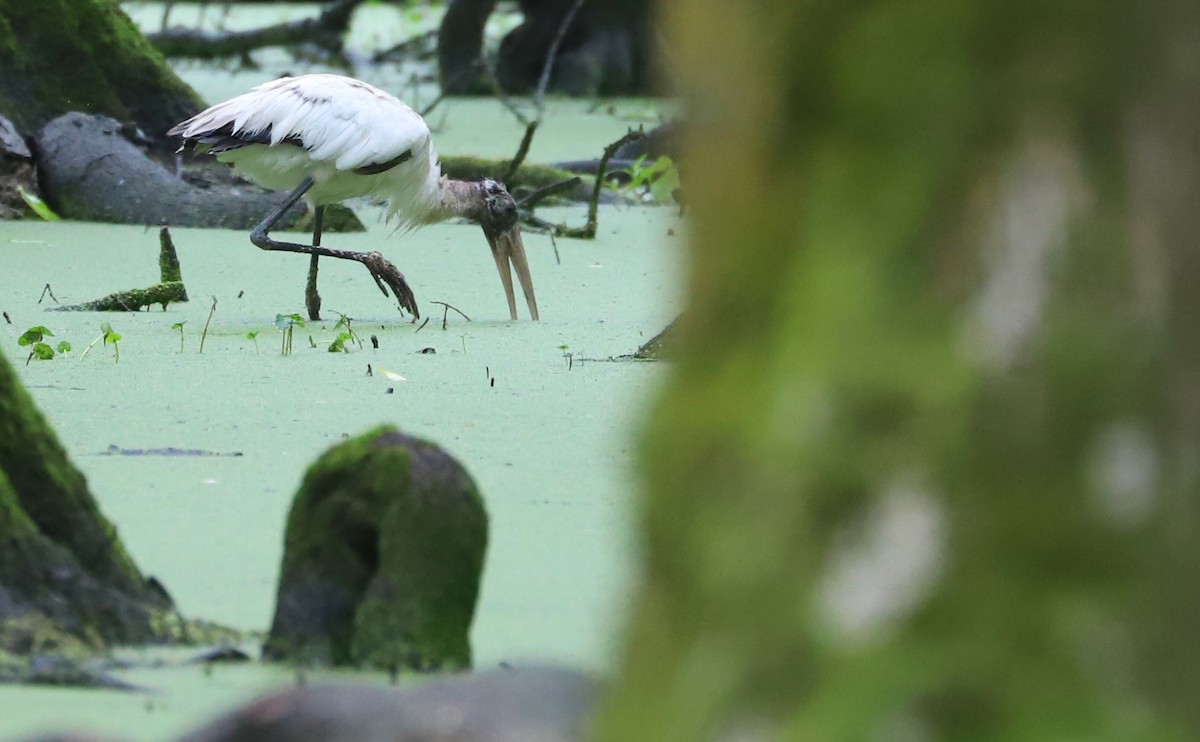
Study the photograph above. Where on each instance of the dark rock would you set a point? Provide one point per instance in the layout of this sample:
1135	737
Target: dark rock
382	558
12	144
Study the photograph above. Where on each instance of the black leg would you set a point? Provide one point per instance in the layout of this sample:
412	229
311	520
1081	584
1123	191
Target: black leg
312	299
385	274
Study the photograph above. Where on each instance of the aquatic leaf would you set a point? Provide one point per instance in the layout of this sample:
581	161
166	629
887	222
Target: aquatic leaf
64	347
284	321
34	335
43	352
38	205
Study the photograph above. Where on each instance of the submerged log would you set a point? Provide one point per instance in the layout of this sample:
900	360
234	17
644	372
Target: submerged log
382	559
327	31
89	171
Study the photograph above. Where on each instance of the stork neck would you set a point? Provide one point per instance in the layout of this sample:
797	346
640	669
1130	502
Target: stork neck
459	199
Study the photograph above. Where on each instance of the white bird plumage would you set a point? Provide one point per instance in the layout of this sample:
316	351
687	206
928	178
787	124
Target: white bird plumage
352	139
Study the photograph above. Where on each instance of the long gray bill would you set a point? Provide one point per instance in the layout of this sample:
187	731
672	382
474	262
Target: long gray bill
508	248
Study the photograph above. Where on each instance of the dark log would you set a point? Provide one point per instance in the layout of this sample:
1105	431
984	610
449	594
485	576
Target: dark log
89	171
327	31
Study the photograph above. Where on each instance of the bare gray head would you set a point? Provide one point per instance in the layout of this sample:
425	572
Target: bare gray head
489	204
497	209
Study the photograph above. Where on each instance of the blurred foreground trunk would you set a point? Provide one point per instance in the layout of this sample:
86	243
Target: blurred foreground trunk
64	574
928	467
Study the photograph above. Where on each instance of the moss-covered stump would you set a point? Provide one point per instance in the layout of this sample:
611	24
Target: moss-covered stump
60	559
382	558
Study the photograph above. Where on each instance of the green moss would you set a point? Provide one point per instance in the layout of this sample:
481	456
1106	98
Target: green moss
382	558
85	55
133	300
527	176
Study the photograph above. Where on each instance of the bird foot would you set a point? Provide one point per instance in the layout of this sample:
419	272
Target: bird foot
384	272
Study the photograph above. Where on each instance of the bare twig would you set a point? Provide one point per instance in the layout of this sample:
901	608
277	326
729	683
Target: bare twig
446	310
207	322
422	327
47	290
609	151
552	55
429	108
522	150
402	50
541	194
505	100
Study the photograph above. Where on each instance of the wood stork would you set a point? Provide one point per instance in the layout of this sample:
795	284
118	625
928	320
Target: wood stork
329	138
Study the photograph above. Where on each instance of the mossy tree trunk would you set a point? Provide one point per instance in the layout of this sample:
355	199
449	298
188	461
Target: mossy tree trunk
59	557
84	55
927	467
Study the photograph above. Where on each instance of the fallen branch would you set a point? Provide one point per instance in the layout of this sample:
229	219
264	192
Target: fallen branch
326	31
170	290
424	43
131	301
541	194
528	176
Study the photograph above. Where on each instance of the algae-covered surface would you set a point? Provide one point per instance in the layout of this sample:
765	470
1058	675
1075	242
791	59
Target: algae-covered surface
548	438
195	456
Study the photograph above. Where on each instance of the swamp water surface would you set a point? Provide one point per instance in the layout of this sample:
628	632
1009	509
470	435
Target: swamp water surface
551	442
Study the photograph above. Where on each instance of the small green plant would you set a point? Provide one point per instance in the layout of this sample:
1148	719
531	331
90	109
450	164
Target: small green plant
287	323
658	179
35	339
347	334
179	326
568	356
339	343
37	204
109	337
253	335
